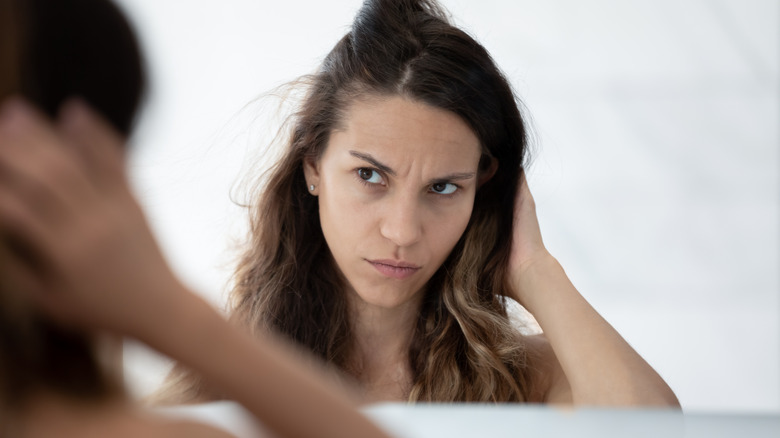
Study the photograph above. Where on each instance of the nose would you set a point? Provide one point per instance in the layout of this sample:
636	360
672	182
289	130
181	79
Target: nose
402	222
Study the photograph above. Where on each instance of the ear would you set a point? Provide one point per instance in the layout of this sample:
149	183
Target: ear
486	169
311	171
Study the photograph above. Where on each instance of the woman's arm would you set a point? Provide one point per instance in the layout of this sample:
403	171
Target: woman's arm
589	362
262	374
79	245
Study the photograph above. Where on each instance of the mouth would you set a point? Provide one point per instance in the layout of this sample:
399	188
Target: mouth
397	269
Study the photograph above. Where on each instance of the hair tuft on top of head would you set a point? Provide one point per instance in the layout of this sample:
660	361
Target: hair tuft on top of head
390	29
464	346
395	14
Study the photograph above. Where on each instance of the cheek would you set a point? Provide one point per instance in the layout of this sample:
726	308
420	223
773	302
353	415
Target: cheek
447	232
342	216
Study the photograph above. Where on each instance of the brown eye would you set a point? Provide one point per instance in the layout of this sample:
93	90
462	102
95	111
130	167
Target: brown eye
369	175
365	173
444	188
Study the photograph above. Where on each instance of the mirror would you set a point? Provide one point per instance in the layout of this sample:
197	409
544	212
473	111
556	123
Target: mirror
655	171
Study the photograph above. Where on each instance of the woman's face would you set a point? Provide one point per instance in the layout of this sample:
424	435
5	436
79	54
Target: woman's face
396	187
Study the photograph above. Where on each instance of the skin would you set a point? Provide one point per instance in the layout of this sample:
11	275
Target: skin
50	415
72	209
91	263
586	360
379	183
396	187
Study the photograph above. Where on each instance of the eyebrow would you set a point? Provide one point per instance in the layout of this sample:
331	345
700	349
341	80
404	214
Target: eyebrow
458	176
368	158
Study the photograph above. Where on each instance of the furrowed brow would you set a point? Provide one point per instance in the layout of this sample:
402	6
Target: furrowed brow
373	161
461	176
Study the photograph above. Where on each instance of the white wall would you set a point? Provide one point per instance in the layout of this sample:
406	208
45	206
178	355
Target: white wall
656	175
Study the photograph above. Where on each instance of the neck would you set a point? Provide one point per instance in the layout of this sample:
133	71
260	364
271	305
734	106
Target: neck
382	337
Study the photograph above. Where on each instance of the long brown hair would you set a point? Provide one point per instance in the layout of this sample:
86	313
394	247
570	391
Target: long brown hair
464	347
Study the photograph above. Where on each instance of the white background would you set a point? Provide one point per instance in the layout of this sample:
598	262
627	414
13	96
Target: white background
655	171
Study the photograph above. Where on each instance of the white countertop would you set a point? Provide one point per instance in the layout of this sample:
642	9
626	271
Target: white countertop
498	421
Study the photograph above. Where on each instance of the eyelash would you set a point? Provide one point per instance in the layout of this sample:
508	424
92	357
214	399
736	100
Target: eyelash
377	171
369	184
457	189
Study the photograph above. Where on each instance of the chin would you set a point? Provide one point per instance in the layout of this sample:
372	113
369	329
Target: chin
384	299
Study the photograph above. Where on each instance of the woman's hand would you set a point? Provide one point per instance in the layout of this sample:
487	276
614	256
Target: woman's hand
527	245
587	362
74	238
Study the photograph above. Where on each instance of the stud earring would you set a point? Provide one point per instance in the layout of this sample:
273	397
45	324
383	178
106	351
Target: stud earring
311	188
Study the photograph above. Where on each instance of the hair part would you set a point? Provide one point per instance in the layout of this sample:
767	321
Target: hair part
464	347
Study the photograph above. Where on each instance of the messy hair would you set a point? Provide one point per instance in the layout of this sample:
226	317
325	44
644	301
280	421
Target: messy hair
464	347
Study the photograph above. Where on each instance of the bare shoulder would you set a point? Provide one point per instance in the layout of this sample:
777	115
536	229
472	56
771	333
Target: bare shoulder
191	429
550	382
155	427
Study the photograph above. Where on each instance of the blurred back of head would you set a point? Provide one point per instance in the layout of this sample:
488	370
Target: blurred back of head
51	50
56	49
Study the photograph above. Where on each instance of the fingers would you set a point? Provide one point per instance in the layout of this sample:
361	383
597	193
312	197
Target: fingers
17	117
524	204
82	142
22	226
95	140
50	179
27	205
66	238
38	166
527	240
524	189
23	143
54	172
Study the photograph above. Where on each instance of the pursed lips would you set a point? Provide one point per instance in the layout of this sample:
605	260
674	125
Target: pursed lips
397	269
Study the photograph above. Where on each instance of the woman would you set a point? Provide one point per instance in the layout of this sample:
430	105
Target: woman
77	260
390	236
55	380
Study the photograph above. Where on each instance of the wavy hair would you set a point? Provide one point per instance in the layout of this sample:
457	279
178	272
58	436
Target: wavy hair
464	347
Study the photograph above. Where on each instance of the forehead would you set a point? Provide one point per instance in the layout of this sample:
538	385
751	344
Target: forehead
399	128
